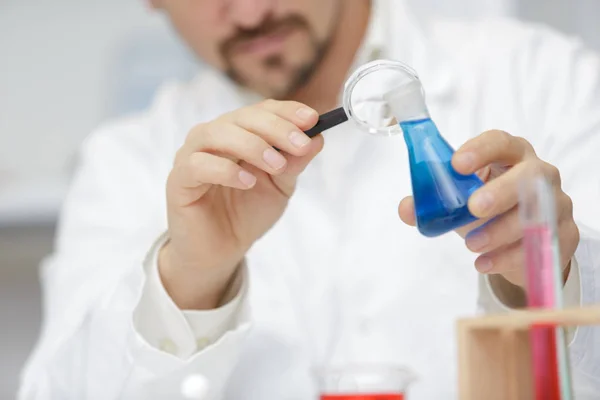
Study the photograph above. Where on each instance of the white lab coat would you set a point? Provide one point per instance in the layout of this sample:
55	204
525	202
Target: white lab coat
339	279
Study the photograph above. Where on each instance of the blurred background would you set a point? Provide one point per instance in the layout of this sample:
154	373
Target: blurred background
68	65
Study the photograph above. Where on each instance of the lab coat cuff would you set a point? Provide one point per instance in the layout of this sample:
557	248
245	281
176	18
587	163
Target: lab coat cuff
584	356
209	325
161	348
571	290
571	295
181	334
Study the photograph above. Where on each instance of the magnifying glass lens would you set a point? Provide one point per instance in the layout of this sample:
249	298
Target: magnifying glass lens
365	92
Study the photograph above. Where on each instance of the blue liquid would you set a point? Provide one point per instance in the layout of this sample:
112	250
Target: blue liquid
440	193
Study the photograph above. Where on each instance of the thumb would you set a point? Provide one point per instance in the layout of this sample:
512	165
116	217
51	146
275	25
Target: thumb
406	210
296	164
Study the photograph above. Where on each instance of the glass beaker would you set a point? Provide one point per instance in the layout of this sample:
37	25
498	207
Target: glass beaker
364	382
387	98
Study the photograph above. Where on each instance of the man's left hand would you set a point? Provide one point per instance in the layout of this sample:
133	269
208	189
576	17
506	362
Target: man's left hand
501	161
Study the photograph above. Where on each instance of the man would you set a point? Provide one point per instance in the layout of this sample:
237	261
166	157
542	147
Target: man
259	265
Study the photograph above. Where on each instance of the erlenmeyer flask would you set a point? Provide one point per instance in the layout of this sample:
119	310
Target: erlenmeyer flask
440	193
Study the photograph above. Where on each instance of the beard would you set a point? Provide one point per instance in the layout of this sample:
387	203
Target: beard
296	74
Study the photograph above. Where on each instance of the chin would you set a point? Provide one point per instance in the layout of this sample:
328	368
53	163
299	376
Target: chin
278	90
268	81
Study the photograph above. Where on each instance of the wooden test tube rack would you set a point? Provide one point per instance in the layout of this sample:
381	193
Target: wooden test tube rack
494	351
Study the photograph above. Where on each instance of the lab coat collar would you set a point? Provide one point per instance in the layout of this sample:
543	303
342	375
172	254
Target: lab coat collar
395	32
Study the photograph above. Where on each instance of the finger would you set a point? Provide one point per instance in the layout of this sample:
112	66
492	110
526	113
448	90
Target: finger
297	113
568	231
205	168
275	127
485	173
406	210
509	260
465	230
564	205
227	139
498	195
568	237
501	194
490	147
194	176
296	165
497	233
506	260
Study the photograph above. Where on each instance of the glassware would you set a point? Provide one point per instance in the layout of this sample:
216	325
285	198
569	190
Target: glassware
386	98
364	382
544	281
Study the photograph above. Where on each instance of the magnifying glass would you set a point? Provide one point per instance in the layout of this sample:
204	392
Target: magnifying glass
364	99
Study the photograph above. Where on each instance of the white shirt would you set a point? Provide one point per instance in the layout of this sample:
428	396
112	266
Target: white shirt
339	279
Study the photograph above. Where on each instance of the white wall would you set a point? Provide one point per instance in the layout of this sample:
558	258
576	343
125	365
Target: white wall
56	58
464	8
577	17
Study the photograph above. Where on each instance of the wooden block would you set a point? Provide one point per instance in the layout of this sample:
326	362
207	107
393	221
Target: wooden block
522	320
494	351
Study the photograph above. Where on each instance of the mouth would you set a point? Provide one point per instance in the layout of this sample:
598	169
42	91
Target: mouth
267	44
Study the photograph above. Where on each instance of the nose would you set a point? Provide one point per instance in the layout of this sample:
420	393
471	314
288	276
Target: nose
249	13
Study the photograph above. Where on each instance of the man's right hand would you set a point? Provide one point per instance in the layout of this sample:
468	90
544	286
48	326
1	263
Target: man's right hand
227	188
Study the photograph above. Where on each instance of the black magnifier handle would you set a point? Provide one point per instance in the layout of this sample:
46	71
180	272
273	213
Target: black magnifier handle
327	121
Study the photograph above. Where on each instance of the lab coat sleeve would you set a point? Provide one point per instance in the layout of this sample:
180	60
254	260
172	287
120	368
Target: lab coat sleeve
495	300
163	325
93	344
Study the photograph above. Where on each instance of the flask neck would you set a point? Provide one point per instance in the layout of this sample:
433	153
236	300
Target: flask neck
407	102
417	130
416	117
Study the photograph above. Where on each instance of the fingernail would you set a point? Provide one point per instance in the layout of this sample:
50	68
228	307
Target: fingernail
247	178
274	159
477	241
306	113
482	203
465	160
299	139
484	264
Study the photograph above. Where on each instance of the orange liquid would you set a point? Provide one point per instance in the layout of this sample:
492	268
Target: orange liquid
362	397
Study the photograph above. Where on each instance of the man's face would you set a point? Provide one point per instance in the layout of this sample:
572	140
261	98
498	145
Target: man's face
270	46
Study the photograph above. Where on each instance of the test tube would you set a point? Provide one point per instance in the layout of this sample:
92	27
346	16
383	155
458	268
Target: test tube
544	280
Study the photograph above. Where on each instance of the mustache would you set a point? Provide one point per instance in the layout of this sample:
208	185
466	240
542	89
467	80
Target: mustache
269	25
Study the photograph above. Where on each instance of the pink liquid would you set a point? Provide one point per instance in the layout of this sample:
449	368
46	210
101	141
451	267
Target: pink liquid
539	258
362	396
538	245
